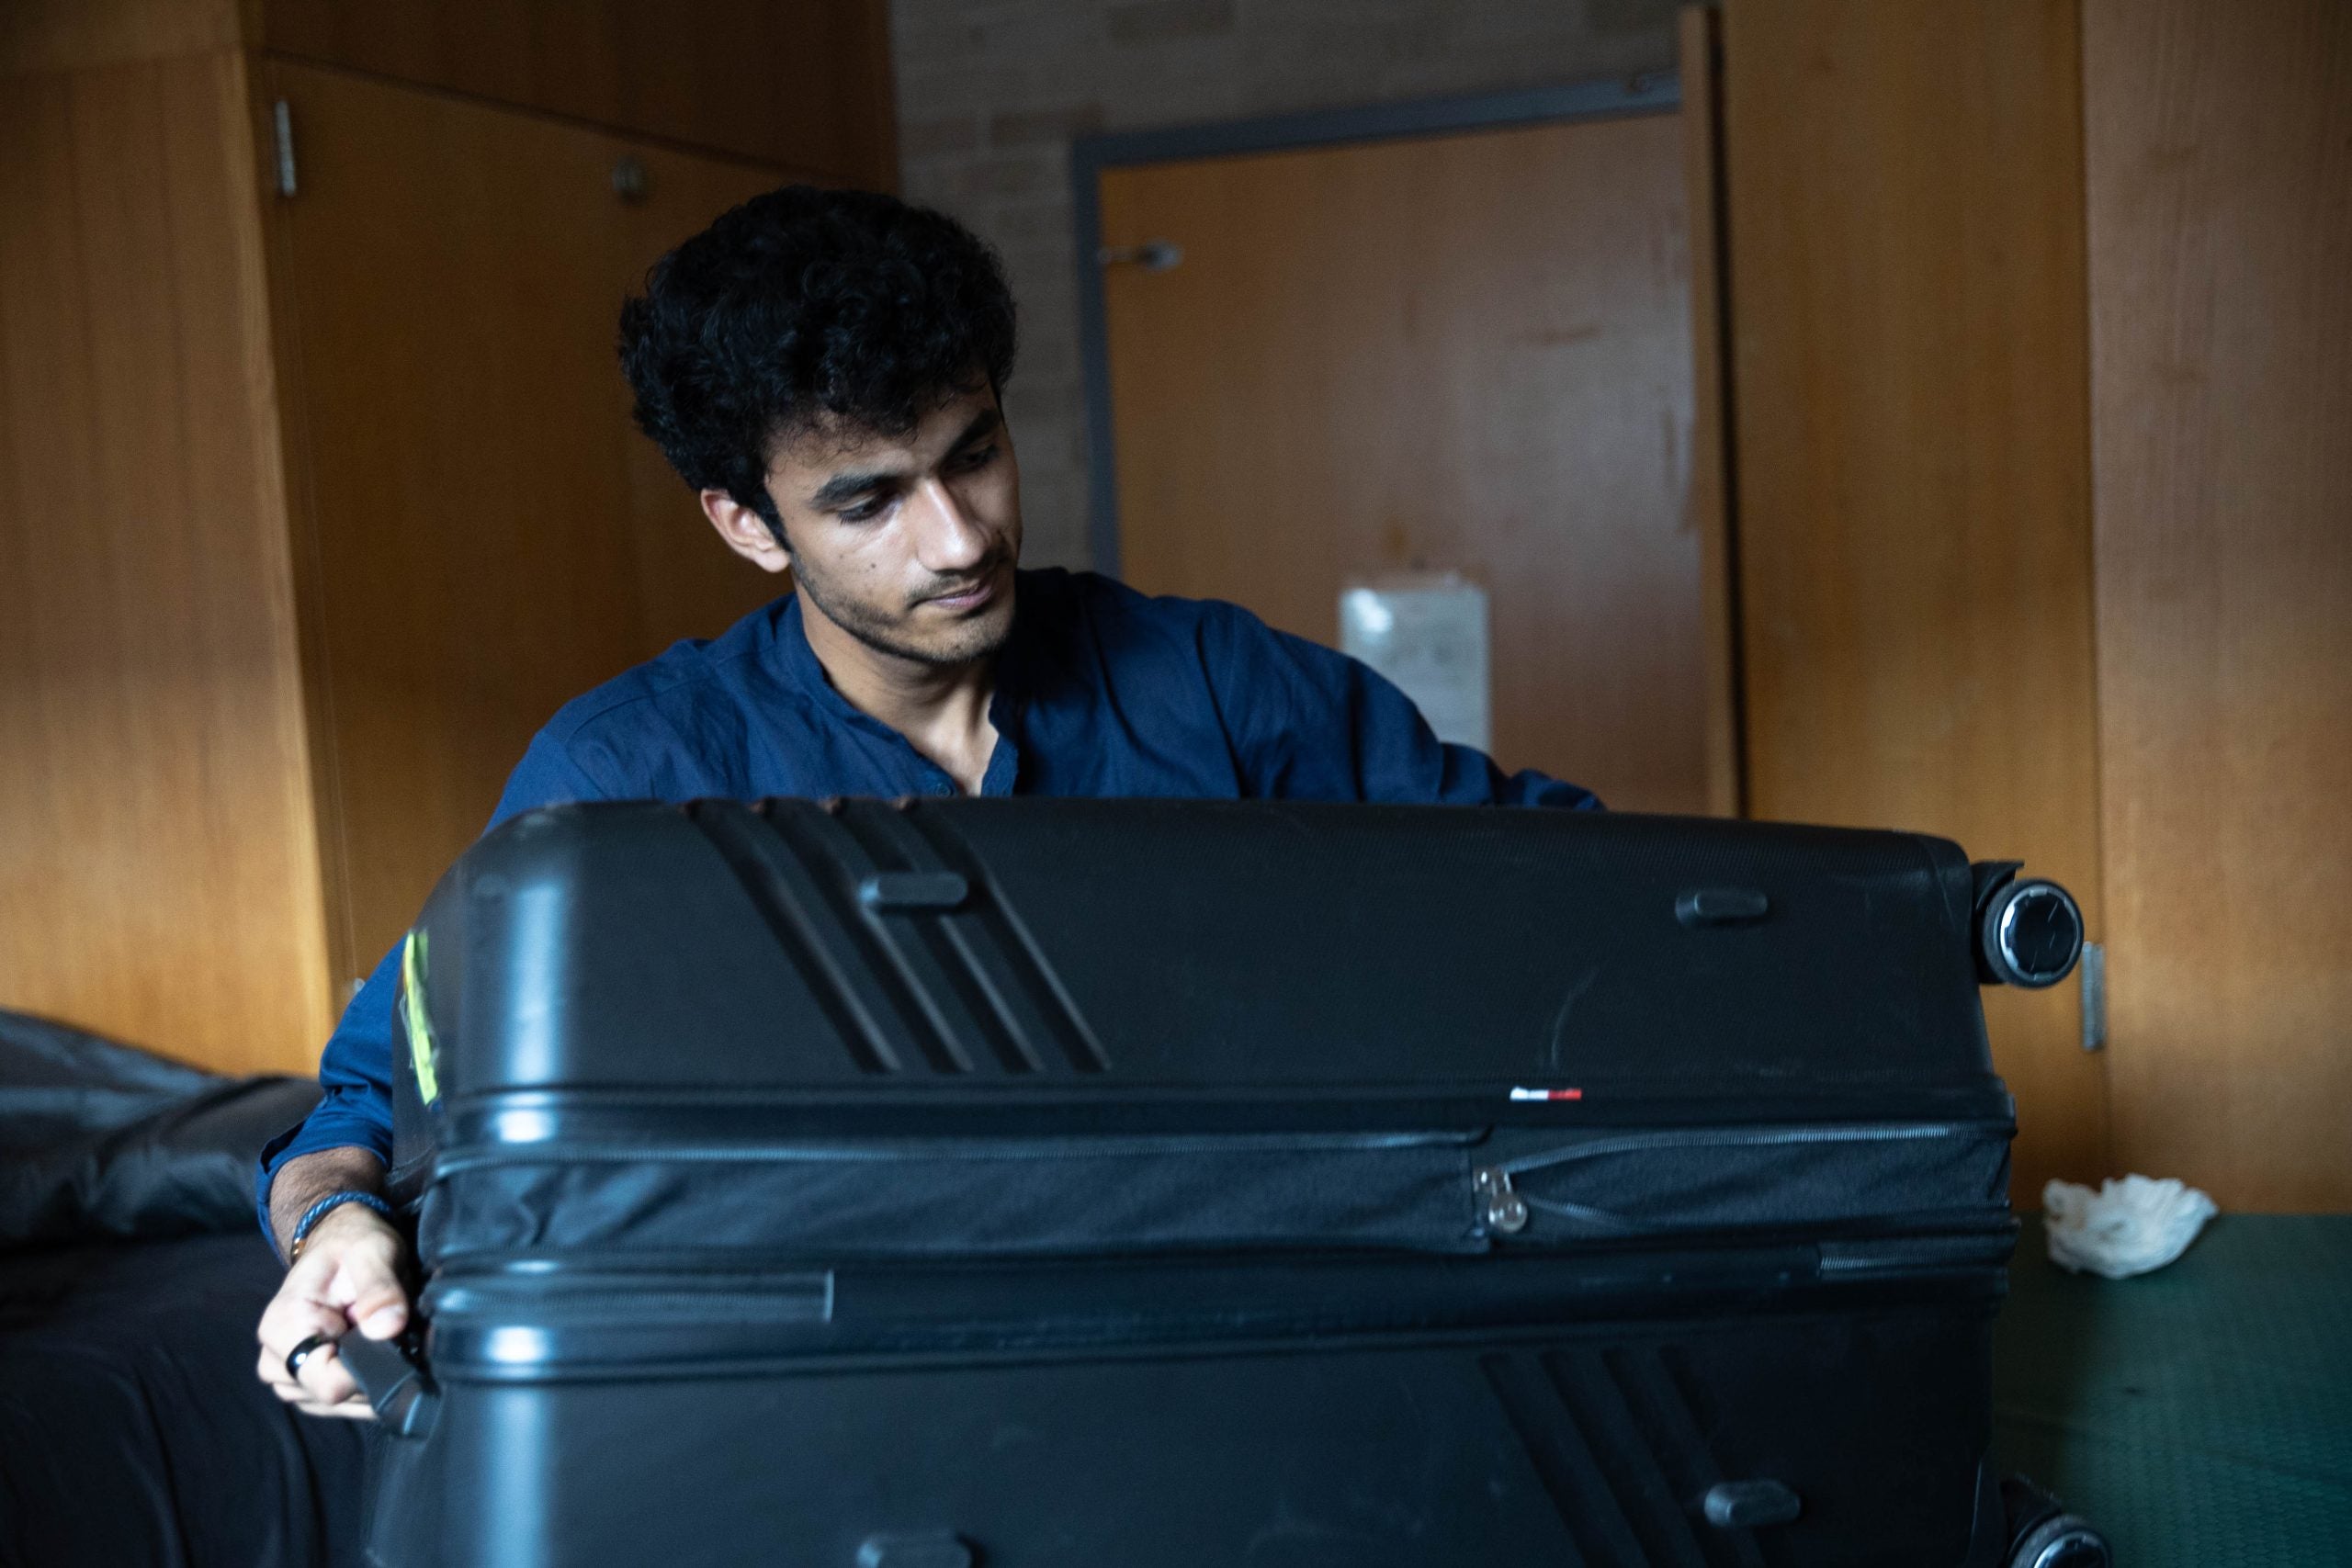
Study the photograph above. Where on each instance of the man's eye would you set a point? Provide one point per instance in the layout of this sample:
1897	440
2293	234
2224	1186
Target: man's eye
865	511
977	458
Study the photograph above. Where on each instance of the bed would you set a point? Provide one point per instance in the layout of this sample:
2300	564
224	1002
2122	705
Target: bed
132	1429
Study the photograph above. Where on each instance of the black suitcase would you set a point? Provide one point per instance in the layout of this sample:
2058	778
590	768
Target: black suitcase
1168	1184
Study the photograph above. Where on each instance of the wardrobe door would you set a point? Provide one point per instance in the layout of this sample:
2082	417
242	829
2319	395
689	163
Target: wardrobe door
687	583
2219	154
1905	216
158	880
481	532
799	82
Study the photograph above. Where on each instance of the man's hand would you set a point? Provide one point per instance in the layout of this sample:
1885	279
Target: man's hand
348	1274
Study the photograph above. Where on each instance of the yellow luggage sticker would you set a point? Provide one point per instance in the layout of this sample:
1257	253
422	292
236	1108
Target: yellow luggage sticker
420	1027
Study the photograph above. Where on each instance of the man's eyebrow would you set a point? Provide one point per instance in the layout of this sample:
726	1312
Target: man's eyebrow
846	487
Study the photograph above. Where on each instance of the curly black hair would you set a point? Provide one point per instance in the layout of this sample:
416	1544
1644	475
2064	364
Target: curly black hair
805	308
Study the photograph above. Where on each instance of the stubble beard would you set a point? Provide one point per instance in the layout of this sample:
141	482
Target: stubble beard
961	643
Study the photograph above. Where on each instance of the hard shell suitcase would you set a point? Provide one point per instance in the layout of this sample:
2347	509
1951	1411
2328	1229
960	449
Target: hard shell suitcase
1025	1182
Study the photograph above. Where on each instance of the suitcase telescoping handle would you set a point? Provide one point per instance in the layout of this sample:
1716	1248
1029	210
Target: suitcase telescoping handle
392	1374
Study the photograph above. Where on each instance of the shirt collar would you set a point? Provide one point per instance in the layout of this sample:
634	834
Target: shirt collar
804	673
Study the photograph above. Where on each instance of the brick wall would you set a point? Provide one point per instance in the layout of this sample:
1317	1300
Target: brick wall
991	93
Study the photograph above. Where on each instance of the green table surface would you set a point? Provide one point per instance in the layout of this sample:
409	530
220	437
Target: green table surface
2201	1414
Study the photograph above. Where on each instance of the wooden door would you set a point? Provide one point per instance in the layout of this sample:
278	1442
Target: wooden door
1466	352
158	874
1905	218
2219	153
487	535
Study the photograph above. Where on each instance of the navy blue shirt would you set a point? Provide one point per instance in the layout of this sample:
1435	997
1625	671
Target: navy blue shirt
1100	691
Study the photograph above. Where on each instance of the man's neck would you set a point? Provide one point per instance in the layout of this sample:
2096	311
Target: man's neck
942	709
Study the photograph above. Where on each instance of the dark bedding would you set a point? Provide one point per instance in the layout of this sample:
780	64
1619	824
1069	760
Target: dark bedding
132	1429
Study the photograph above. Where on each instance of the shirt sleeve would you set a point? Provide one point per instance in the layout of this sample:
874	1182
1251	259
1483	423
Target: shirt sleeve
1307	723
355	1109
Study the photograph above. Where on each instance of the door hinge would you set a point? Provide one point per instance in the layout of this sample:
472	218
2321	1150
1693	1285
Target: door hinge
2093	973
281	120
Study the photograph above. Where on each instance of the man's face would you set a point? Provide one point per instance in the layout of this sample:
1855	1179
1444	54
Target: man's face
907	543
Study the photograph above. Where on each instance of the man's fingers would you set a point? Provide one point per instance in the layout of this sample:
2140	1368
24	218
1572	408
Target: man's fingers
321	1378
368	1287
381	1314
312	1401
289	1321
299	1397
324	1379
289	1393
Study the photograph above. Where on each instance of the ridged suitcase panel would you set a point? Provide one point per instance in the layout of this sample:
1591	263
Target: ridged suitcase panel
1046	948
1598	1451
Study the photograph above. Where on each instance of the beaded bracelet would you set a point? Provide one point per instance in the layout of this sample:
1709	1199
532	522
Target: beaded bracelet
326	1205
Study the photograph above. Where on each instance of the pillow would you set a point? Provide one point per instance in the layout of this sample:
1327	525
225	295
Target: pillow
98	1139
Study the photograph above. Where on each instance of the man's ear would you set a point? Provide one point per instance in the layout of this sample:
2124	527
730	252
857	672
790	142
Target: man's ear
745	531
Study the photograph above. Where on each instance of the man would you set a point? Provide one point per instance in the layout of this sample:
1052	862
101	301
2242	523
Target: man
823	367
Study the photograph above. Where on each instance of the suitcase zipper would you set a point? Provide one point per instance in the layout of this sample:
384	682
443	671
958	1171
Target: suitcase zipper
1736	1137
1506	1206
1147	1194
1500	1209
884	1150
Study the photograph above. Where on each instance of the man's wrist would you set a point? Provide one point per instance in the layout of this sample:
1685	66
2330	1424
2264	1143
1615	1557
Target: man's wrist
328	1206
307	1178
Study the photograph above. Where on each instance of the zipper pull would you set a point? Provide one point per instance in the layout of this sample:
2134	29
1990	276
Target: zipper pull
1500	1209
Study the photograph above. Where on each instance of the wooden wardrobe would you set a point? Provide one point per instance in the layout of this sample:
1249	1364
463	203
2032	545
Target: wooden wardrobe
2035	342
317	489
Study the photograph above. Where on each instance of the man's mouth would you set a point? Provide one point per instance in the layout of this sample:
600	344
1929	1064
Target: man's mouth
970	596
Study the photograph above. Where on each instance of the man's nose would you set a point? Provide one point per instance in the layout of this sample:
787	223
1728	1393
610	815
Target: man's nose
949	539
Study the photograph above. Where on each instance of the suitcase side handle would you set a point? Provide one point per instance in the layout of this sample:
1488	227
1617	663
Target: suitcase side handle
392	1374
1751	1505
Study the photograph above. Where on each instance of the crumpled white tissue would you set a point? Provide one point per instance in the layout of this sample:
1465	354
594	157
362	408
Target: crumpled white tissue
2126	1227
